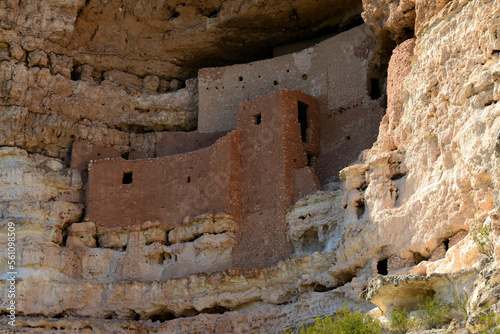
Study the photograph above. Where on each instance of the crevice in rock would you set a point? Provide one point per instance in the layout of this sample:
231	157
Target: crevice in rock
111	315
419	257
360	209
214	310
322	288
75	74
398	175
64	233
446	244
310	241
162	315
60	315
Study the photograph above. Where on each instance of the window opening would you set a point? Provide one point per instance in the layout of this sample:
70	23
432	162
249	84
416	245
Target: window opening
257	119
127	177
303	120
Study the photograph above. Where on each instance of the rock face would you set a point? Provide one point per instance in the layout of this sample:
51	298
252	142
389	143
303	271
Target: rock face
171	39
399	221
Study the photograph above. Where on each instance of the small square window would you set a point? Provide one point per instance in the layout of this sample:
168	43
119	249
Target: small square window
257	119
127	177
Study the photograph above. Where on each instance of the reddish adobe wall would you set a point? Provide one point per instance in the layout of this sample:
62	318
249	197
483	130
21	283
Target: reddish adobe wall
182	142
249	173
338	72
271	149
169	143
305	182
127	192
348	132
82	153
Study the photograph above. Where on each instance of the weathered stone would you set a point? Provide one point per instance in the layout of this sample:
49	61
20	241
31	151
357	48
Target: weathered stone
175	84
37	58
404	206
16	51
151	84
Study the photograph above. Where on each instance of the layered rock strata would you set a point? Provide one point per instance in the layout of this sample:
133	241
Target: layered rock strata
405	208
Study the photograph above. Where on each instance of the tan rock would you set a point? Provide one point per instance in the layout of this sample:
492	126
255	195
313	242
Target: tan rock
37	58
151	84
16	51
405	206
123	79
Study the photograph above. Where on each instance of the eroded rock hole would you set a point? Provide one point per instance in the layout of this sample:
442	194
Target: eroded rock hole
59	315
321	288
419	257
133	316
64	237
159	260
446	244
215	310
397	176
162	315
76	73
303	120
310	242
360	209
188	179
213	14
111	315
127	177
382	267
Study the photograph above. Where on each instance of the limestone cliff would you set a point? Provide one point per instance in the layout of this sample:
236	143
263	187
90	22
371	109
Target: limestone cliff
123	73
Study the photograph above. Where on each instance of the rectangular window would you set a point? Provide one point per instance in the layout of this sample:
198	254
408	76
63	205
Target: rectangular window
127	177
257	119
303	120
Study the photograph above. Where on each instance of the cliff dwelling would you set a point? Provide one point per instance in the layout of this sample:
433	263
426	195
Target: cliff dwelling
249	166
252	165
252	174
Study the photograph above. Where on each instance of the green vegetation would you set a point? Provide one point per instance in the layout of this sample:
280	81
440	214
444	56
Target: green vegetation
489	323
480	234
343	322
461	299
433	311
400	321
432	314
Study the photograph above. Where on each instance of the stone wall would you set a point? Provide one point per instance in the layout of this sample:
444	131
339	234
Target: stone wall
338	72
128	192
406	208
277	133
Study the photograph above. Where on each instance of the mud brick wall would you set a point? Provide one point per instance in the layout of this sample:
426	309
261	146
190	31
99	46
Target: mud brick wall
336	71
249	174
126	192
272	148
